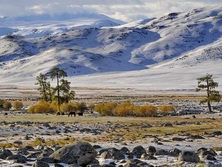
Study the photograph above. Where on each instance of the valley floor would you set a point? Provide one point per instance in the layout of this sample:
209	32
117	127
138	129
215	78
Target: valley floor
164	133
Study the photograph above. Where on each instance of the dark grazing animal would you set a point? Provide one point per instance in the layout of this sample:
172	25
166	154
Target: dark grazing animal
80	114
72	113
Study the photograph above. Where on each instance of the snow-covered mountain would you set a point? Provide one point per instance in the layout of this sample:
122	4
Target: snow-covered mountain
163	53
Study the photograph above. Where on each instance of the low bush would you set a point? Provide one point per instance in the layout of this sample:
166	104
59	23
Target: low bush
106	109
17	105
41	107
124	109
145	111
6	105
81	107
54	106
68	107
1	103
166	109
91	107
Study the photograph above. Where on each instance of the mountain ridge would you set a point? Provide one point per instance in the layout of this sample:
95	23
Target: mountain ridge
166	47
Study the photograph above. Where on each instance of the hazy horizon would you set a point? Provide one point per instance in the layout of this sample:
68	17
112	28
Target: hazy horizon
127	10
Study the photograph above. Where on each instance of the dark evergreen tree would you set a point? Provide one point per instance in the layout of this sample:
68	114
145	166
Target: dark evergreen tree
207	83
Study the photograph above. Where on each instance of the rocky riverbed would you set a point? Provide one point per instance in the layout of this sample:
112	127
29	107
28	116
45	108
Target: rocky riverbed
85	154
94	144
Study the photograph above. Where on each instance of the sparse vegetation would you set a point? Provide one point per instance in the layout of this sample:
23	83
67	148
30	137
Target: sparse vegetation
69	107
17	105
145	111
106	109
6	105
166	109
1	103
129	109
41	107
51	108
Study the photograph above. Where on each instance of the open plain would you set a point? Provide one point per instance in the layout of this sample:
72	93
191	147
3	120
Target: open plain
170	136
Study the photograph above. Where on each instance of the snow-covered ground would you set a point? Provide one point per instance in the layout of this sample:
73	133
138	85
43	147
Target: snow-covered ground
166	53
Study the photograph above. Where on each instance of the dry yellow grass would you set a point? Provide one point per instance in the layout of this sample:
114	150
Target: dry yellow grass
133	128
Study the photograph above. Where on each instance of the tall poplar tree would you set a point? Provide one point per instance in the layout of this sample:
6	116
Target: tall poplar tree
58	74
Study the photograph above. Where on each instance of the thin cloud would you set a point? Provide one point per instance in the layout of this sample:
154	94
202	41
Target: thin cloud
125	10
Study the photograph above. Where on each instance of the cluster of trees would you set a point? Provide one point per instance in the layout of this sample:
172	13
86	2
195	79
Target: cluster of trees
7	105
61	93
58	99
206	83
129	109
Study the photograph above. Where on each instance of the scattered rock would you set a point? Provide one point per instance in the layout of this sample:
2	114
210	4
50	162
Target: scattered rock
40	164
113	153
48	160
168	124
206	153
195	137
46	152
135	163
17	158
81	153
177	139
96	146
210	157
188	156
175	152
217	133
151	150
162	152
27	148
4	153
124	150
148	157
138	151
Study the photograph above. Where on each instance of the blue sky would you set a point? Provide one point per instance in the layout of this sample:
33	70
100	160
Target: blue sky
125	10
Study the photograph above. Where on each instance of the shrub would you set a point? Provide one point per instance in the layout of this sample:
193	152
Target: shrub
54	106
17	105
1	103
145	111
68	107
81	107
166	109
31	109
91	107
106	108
41	107
7	105
124	109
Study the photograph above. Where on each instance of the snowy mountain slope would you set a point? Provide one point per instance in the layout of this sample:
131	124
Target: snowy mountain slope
43	25
180	32
164	53
87	50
